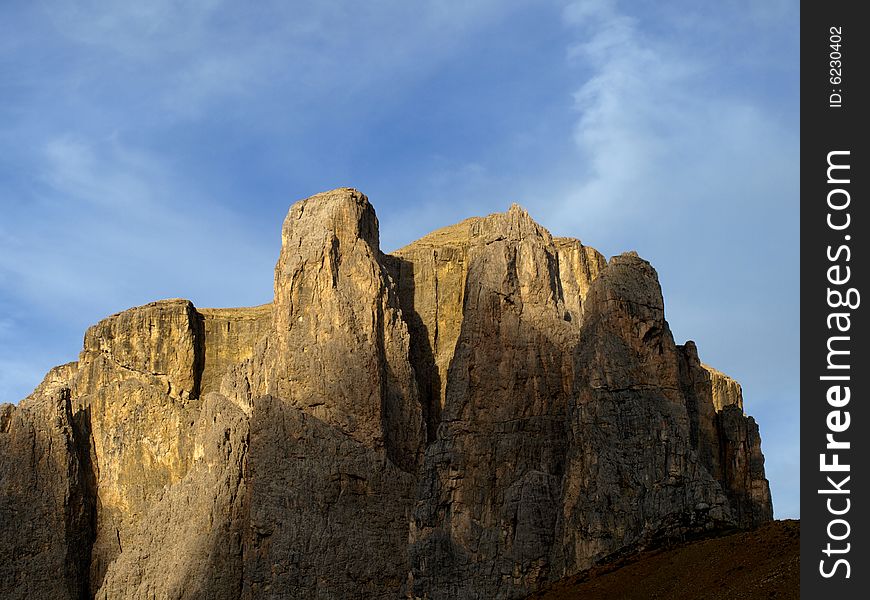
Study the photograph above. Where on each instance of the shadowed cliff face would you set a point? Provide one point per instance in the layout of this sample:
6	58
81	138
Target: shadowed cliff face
486	410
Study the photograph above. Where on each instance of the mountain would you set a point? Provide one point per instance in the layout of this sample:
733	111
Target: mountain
480	413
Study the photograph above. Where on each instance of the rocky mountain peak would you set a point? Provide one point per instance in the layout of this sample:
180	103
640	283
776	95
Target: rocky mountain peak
344	214
481	412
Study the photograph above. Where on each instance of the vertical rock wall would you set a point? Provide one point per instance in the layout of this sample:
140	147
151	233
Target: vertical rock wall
229	337
633	474
46	510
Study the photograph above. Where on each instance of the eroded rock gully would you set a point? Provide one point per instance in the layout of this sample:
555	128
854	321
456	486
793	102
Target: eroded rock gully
472	416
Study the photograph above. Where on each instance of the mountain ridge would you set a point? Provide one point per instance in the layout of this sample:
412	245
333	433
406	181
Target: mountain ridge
476	414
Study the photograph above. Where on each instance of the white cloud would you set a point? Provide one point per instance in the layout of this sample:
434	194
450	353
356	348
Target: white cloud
206	52
117	180
134	29
655	137
631	109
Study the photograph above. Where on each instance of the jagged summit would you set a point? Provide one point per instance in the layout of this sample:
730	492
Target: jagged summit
480	412
513	224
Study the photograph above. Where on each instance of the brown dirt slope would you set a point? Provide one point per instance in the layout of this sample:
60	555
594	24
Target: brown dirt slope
749	565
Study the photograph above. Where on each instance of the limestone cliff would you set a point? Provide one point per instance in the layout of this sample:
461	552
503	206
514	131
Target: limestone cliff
479	413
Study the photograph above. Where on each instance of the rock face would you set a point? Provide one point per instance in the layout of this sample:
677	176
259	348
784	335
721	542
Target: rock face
46	500
482	412
634	472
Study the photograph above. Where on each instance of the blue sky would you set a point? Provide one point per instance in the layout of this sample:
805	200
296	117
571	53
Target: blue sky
151	150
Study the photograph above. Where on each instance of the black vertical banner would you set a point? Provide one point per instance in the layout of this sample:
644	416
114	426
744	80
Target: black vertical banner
835	300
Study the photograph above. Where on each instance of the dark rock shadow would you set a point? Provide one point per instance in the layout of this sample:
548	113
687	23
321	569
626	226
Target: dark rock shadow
503	441
328	516
80	539
422	357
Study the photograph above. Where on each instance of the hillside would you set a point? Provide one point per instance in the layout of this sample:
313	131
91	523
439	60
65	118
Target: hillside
763	564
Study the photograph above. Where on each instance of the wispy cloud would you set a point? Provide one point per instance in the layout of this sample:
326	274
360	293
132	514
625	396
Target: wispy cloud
656	135
189	56
138	30
112	218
